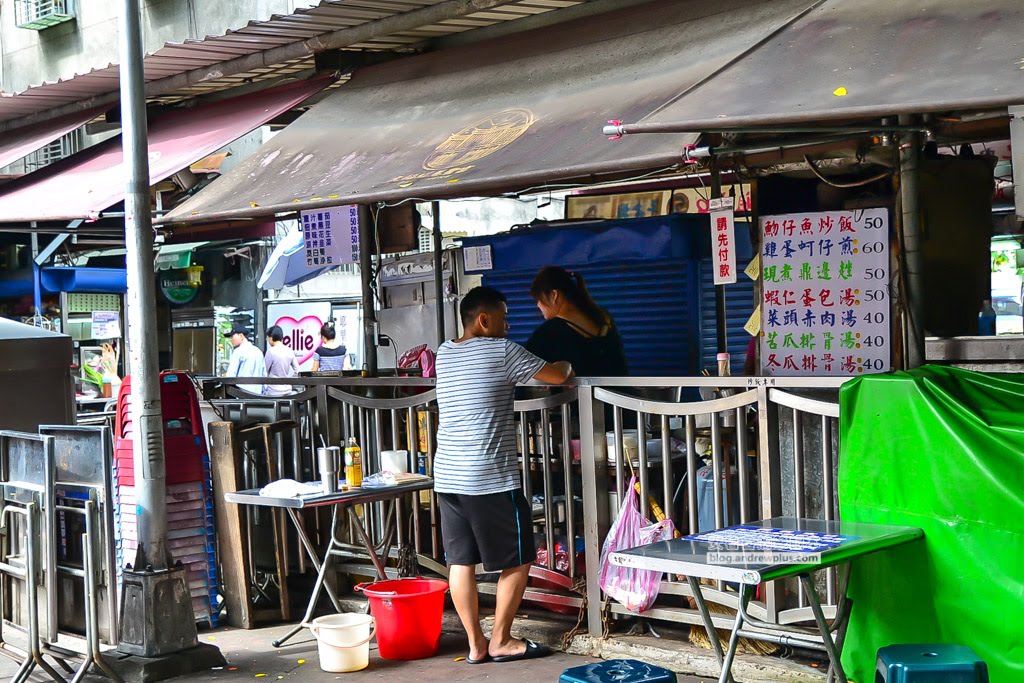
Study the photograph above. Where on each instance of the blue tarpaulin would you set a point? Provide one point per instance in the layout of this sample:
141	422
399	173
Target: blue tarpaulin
55	280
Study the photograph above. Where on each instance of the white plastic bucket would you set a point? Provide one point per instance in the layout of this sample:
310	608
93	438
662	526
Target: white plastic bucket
343	641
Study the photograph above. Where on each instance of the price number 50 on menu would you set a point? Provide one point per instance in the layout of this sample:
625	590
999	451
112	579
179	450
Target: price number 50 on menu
825	296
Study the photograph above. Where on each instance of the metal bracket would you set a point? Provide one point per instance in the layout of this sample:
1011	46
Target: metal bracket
44	255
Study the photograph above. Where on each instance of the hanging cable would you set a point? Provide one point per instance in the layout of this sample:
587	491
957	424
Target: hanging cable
856	183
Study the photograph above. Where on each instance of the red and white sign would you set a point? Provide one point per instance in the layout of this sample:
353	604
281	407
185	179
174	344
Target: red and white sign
723	241
301	325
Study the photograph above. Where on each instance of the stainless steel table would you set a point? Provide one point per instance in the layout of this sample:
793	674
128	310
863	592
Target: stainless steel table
344	502
750	554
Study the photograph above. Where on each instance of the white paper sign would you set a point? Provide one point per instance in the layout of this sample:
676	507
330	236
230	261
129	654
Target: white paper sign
825	293
106	325
478	258
723	241
331	236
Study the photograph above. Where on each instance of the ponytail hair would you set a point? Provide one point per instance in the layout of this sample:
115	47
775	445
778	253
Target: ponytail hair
327	331
572	286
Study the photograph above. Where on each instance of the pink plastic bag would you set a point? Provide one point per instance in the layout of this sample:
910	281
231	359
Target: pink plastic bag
637	589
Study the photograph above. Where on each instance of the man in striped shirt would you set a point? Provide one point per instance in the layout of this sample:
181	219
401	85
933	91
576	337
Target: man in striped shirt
484	515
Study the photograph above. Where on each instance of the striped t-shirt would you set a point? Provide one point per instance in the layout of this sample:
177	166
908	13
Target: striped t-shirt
476	435
331	359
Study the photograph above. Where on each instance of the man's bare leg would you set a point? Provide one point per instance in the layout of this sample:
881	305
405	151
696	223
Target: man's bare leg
511	587
462	584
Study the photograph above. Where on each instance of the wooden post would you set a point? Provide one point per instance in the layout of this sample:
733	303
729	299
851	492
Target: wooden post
225	458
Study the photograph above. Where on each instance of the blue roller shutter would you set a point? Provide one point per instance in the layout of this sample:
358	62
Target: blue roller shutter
651	301
739	304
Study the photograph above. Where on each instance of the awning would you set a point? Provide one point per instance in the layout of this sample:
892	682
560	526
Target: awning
63	279
521	110
176	256
21	142
286	266
866	59
86	183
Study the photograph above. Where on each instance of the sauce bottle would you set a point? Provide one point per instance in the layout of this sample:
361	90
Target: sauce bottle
353	464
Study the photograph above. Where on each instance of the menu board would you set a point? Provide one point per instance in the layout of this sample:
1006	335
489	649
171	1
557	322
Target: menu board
331	236
773	538
825	293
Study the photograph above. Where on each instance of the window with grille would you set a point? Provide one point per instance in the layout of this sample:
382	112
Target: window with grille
426	239
40	14
58	149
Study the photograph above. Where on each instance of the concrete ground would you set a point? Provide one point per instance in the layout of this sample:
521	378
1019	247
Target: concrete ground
251	658
250	654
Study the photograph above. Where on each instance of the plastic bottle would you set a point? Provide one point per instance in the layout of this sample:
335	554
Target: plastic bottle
986	319
723	365
353	464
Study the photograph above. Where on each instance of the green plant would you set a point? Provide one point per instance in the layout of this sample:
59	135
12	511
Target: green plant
92	376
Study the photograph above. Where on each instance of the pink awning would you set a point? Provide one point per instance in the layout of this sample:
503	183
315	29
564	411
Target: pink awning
21	142
93	180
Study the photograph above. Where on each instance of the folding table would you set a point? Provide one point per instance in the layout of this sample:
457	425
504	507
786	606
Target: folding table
769	550
342	502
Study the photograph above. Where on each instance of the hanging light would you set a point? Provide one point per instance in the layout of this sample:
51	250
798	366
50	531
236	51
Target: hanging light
194	275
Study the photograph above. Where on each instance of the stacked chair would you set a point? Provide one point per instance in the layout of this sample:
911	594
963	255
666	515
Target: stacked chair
191	539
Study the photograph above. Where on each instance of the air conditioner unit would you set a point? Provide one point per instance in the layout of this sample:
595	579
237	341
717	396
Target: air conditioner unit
40	14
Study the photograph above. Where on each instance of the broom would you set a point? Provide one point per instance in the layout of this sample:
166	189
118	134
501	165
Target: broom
699	636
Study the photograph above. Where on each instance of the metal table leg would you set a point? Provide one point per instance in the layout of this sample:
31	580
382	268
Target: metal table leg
807	582
307	545
734	638
333	550
705	615
367	542
320	581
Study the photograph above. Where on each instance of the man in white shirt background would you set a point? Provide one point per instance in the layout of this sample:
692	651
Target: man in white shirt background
246	359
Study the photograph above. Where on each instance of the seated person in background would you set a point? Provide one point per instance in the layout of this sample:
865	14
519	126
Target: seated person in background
331	355
575	328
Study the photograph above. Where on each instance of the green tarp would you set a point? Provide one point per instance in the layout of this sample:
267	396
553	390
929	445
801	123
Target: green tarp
941	449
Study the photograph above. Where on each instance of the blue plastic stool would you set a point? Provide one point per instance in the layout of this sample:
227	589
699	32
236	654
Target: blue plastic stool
617	671
929	664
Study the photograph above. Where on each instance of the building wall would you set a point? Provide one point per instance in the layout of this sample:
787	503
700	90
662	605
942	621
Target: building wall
29	57
91	41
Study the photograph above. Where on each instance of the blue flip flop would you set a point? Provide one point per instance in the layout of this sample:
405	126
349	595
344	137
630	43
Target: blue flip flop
533	651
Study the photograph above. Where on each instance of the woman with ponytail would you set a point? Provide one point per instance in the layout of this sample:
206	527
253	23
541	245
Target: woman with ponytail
575	328
331	355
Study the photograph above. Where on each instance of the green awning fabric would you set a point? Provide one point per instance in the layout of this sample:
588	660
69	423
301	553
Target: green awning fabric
176	256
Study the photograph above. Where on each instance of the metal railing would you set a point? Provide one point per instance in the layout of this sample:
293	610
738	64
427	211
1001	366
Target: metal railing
712	463
40	14
755	439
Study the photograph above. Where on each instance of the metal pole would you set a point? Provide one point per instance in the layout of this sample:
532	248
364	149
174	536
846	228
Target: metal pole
148	440
913	282
37	287
438	272
366	242
720	312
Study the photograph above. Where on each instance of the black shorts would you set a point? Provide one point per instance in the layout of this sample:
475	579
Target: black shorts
496	529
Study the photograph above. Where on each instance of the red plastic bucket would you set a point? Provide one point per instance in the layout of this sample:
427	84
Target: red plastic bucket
408	613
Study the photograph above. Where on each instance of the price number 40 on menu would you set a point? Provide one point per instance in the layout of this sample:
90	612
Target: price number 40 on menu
825	296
